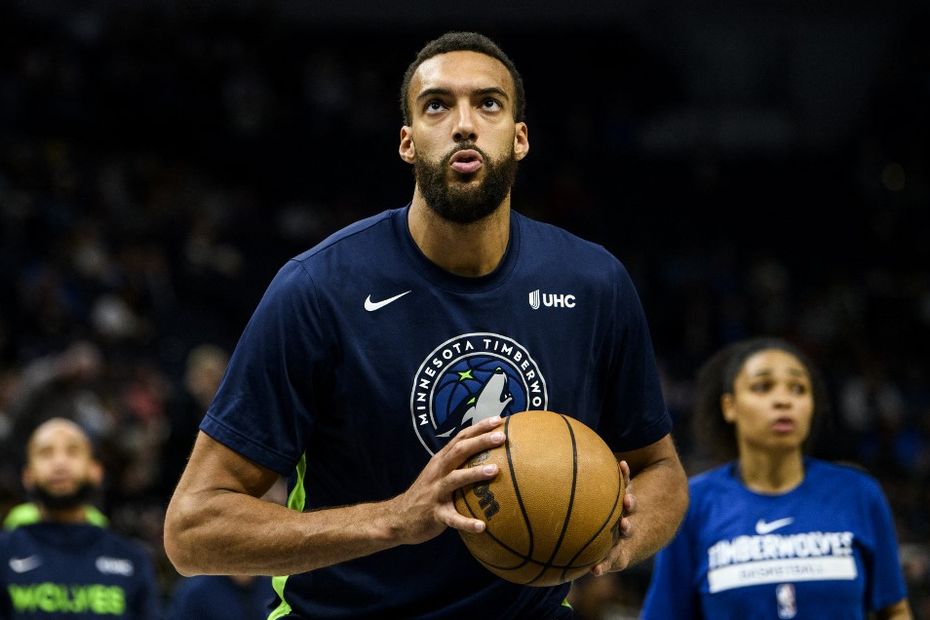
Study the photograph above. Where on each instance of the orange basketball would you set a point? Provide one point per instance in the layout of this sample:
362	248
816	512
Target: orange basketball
554	509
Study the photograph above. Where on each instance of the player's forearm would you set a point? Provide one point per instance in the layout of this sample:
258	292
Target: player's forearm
661	491
233	533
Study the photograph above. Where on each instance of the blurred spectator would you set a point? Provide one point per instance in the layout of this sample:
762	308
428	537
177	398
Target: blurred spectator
62	563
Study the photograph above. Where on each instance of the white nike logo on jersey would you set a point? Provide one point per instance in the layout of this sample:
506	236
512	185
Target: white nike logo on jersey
114	566
371	306
763	528
24	565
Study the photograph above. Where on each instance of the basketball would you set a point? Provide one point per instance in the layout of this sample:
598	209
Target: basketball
553	511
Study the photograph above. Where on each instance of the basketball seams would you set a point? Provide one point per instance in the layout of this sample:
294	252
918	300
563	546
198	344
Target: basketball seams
487	532
527	560
516	489
580	518
527	557
607	521
571	501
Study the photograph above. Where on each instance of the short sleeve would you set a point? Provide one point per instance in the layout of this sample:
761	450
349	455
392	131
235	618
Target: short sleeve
635	414
885	584
263	408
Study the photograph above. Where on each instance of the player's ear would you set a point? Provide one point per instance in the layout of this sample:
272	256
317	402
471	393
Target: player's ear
28	479
728	407
95	473
521	141
407	149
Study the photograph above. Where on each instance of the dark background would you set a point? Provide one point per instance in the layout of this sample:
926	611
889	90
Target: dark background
760	167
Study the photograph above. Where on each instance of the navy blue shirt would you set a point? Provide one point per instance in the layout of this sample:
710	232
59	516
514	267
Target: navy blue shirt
364	358
218	597
75	571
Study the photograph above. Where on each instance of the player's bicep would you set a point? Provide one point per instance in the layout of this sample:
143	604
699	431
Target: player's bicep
214	468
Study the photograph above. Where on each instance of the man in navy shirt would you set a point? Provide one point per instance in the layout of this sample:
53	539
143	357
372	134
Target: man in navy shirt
64	566
380	360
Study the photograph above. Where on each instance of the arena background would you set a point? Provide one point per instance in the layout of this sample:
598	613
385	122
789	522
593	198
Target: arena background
761	168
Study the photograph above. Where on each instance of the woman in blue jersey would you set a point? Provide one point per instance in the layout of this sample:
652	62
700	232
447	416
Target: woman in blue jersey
774	533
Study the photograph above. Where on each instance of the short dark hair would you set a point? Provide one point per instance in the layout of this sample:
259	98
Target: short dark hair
717	377
463	42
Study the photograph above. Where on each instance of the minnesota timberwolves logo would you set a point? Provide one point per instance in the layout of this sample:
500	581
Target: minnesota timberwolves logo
470	378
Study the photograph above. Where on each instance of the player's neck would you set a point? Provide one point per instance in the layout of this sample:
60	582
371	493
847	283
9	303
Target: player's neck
67	515
767	472
470	250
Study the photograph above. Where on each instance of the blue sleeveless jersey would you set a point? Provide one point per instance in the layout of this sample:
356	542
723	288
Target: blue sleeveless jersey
79	572
364	358
826	549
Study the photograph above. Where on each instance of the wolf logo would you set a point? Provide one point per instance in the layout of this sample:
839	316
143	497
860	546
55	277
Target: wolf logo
492	399
469	378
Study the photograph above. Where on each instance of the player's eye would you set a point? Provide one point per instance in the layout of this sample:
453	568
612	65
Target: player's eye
798	388
760	387
434	105
491	105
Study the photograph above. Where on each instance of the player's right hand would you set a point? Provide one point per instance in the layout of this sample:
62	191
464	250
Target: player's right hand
425	509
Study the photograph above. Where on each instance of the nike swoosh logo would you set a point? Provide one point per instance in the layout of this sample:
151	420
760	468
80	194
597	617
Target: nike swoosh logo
371	306
24	565
763	528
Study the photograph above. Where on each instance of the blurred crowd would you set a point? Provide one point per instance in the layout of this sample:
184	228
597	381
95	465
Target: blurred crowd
156	168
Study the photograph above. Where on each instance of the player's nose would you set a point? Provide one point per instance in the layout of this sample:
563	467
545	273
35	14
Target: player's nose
781	399
465	128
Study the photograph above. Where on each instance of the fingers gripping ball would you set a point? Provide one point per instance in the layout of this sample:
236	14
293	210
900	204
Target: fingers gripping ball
554	510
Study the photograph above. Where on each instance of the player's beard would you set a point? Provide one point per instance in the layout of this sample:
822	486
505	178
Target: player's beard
465	203
63	501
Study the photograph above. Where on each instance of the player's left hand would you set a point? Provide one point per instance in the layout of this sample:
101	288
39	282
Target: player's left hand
616	559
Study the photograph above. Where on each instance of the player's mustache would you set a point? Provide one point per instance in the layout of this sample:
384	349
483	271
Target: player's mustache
464	146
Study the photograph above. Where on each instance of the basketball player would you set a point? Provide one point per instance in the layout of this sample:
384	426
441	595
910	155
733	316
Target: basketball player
383	358
63	566
775	534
